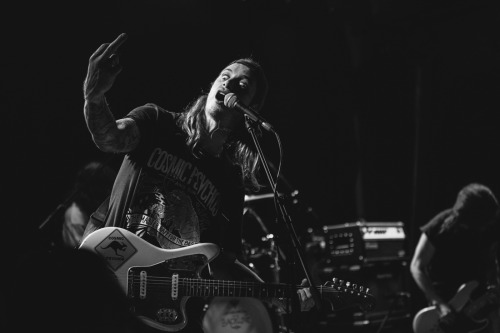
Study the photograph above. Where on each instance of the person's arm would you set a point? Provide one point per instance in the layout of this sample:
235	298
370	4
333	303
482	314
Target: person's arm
418	267
109	135
73	226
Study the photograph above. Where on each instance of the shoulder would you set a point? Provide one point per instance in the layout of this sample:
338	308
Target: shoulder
151	111
151	118
433	227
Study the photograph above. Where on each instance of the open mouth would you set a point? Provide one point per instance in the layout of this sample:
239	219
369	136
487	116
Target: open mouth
219	96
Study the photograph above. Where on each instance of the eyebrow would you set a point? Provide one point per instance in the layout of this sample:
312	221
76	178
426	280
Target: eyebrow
244	76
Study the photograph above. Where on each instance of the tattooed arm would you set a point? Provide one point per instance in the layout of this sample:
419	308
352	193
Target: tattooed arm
109	135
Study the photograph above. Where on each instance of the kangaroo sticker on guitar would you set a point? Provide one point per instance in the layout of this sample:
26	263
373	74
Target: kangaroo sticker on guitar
116	249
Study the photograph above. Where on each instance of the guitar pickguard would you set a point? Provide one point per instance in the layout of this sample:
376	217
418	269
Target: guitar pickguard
150	290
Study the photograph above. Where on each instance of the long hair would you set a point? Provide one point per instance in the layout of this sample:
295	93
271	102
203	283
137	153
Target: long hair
239	149
474	207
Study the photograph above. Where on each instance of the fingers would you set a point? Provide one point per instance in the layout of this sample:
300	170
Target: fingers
306	300
114	45
307	291
114	61
107	50
304	294
99	51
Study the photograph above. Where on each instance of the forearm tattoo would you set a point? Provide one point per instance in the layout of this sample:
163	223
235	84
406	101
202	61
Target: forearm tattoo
108	134
100	122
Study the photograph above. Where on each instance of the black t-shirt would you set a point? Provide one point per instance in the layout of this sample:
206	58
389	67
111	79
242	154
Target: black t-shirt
460	255
166	195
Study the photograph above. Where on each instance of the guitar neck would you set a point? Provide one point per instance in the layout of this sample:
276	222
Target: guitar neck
201	287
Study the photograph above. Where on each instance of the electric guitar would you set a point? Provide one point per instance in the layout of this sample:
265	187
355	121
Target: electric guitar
158	282
428	320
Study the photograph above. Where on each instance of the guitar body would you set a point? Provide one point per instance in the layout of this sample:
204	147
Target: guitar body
428	319
133	260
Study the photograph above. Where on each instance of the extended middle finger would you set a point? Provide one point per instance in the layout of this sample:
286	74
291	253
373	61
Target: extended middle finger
114	45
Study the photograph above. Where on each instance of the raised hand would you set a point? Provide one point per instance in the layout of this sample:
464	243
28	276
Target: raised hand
104	67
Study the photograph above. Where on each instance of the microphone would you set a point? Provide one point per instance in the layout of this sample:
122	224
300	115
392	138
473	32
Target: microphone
231	101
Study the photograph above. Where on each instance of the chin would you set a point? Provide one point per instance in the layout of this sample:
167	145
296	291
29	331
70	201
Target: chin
213	108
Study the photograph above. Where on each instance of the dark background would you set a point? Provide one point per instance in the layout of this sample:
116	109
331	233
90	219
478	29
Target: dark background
385	109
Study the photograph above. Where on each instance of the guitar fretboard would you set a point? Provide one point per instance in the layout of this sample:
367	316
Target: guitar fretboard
201	287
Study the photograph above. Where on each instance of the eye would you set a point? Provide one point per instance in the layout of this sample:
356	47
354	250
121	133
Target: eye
224	77
243	85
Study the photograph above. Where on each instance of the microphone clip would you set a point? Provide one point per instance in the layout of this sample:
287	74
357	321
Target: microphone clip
231	101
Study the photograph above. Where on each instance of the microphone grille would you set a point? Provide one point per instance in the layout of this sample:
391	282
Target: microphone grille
230	100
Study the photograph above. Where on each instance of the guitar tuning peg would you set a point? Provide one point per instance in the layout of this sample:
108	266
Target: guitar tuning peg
335	280
341	282
347	284
361	288
354	286
367	290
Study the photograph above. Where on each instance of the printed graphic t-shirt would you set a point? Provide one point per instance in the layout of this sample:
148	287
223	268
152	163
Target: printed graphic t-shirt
170	197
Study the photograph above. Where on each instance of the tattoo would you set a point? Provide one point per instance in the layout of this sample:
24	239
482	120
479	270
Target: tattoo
110	135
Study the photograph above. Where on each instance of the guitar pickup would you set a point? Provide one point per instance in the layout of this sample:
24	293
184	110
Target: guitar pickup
175	286
143	283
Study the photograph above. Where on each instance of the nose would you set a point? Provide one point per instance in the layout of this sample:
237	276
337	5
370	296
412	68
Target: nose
230	85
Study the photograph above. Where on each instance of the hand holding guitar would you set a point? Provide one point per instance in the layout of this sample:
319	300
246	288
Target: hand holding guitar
443	308
463	315
305	297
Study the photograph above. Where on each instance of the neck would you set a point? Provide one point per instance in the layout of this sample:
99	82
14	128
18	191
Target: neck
213	142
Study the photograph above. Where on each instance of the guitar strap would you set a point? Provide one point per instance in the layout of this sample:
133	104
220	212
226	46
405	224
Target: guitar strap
97	218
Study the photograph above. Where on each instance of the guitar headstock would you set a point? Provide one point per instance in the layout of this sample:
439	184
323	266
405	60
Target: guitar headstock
348	294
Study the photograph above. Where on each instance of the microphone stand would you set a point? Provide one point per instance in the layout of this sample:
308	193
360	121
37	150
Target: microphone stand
66	202
46	230
57	210
250	125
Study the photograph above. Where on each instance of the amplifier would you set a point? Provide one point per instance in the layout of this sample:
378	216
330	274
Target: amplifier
361	242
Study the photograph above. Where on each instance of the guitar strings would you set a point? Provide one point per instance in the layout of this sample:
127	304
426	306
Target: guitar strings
151	279
193	283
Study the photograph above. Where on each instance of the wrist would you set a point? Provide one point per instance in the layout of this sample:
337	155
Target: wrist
94	99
